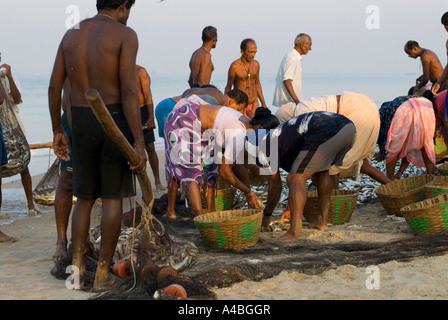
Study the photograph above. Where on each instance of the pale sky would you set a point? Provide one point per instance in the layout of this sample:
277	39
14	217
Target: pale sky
170	31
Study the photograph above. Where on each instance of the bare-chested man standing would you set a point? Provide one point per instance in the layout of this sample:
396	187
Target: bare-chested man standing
201	65
244	74
432	68
101	54
437	86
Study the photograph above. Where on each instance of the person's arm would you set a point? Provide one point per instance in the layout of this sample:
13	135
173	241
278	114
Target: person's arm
258	87
443	78
145	82
230	79
130	97
290	89
61	145
15	93
424	78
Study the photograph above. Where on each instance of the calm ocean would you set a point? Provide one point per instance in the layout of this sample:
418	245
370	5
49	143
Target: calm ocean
36	118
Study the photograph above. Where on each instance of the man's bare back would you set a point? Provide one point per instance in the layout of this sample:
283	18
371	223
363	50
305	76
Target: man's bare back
432	64
201	67
98	43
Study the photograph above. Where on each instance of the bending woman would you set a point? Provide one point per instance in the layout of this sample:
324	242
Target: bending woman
194	130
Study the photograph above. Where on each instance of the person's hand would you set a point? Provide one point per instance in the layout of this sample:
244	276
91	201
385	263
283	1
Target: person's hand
61	146
435	88
150	124
142	158
253	201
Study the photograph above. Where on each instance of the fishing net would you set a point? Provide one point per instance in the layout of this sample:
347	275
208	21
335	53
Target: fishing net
17	147
45	191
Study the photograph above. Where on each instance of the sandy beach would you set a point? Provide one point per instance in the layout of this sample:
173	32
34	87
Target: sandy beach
25	265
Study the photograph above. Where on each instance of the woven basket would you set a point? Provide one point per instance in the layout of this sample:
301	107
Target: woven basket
342	205
429	216
437	187
224	200
232	229
403	192
443	169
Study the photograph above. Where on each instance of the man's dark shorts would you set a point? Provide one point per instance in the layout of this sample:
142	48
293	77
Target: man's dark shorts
101	170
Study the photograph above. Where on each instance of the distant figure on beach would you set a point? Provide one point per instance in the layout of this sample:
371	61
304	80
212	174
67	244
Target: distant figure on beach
12	98
307	145
238	100
363	112
244	74
411	137
288	86
432	68
148	123
63	201
201	66
437	86
101	54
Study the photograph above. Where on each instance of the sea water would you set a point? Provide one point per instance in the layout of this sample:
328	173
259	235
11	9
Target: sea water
35	115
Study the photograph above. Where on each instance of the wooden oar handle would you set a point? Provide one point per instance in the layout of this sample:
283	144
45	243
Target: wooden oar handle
111	129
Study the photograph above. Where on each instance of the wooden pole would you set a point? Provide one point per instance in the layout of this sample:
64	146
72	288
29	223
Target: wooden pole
111	129
41	145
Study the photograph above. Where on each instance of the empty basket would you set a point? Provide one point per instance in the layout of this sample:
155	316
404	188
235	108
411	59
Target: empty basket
403	192
436	187
342	205
231	229
427	217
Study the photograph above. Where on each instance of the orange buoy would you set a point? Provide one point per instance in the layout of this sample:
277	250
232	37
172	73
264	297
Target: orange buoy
121	268
165	274
146	270
175	290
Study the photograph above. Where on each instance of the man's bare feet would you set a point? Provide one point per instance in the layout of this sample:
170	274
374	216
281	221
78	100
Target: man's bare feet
106	284
61	251
4	238
289	237
319	226
170	215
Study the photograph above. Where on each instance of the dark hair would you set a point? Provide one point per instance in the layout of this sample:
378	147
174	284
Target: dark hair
411	91
445	19
239	96
428	95
411	44
209	33
243	45
113	4
264	117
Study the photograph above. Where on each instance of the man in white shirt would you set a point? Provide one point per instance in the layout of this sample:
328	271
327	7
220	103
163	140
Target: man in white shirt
289	77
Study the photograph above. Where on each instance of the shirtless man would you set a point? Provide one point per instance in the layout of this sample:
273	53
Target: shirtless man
201	65
441	83
244	74
101	54
147	115
432	68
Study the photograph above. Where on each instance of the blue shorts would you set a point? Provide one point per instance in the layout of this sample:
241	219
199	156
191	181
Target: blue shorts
162	111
